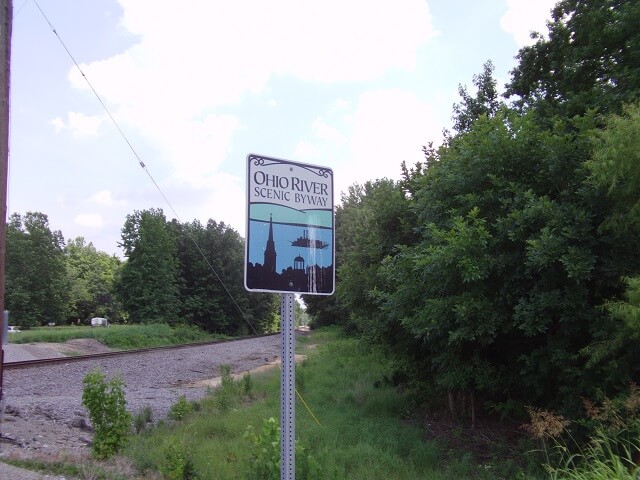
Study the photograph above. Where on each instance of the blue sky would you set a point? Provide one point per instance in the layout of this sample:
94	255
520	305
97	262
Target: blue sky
358	86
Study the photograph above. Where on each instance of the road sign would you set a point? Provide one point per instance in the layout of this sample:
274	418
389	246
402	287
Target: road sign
290	227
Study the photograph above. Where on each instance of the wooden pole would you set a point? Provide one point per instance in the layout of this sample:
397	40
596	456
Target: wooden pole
6	19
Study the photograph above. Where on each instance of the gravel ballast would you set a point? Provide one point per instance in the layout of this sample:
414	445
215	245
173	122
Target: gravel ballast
50	396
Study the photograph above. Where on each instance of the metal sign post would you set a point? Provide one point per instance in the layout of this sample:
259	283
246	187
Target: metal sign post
289	248
288	389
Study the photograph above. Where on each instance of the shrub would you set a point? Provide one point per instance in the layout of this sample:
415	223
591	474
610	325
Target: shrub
181	408
106	404
265	459
178	465
227	393
142	419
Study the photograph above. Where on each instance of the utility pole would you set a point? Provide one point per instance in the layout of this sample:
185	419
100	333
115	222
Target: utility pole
6	19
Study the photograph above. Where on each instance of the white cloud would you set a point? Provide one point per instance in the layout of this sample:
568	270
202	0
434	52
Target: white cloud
92	220
105	197
389	127
203	146
194	60
58	124
306	151
369	140
327	132
524	16
224	201
79	124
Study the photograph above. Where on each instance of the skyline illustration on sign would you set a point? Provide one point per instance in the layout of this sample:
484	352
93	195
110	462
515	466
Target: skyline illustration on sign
290	227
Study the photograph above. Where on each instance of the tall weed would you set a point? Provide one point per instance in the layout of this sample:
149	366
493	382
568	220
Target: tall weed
612	451
264	462
108	413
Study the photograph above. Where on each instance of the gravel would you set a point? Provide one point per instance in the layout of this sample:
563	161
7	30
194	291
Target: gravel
43	405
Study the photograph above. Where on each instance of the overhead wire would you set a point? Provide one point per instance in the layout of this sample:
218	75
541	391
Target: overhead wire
146	170
144	167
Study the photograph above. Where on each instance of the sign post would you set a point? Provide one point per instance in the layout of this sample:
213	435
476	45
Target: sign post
288	389
289	249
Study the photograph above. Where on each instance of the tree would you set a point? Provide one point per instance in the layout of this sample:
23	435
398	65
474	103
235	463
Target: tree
589	60
370	222
614	166
486	102
148	283
91	278
502	292
212	290
37	284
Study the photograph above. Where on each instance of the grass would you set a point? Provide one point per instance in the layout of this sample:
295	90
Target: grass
121	337
365	429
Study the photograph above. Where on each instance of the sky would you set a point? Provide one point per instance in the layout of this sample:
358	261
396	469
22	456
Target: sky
195	86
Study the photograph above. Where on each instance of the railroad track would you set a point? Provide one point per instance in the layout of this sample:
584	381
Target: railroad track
93	356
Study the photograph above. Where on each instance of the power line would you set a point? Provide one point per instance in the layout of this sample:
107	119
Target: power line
144	167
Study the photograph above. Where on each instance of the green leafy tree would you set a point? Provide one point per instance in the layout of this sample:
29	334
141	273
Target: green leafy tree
371	221
486	102
503	290
91	277
588	60
148	283
36	280
211	260
614	166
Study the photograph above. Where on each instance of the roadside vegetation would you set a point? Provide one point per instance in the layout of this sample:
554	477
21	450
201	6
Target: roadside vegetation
118	337
366	427
496	284
359	424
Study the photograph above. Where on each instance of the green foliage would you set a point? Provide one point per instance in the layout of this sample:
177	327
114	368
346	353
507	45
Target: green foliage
373	219
177	464
366	427
228	393
496	266
106	404
180	409
91	276
486	103
265	461
614	166
174	273
612	450
189	273
588	60
37	289
210	273
247	385
148	282
120	337
496	291
142	419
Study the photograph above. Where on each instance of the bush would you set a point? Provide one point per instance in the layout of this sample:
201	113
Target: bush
265	459
106	404
178	464
181	408
143	418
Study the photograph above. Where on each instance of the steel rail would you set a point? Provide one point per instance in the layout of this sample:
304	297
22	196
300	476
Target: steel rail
117	353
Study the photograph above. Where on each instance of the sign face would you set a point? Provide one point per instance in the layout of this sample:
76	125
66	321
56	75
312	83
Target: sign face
290	227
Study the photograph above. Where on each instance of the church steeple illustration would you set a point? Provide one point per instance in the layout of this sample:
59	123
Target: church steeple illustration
270	251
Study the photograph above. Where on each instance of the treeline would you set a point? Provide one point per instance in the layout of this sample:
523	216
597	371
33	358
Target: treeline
173	273
504	269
